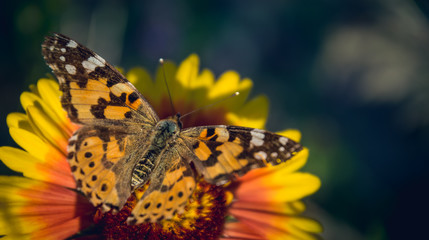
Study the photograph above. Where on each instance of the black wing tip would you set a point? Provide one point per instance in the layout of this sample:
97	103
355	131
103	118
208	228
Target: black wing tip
55	35
53	38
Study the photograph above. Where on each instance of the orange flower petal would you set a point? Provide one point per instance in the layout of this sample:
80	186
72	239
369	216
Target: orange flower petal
276	187
21	161
237	230
42	210
295	207
273	225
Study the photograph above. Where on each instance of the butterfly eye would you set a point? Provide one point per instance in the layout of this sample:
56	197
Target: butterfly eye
172	128
168	126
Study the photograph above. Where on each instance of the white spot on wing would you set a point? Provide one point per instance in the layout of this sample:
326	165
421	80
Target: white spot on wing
274	154
283	140
260	155
257	137
63	50
71	147
100	59
72	44
62	58
282	149
70	69
91	63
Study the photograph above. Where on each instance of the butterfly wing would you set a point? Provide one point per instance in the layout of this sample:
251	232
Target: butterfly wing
116	121
102	160
93	90
224	151
171	185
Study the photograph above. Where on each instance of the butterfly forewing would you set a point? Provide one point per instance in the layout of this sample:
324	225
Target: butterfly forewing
94	91
223	151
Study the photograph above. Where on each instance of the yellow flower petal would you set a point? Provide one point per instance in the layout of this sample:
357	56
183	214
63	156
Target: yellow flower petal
200	88
197	86
50	93
19	120
204	80
30	99
227	84
187	72
306	224
294	186
30	142
141	79
51	131
36	147
293	134
252	114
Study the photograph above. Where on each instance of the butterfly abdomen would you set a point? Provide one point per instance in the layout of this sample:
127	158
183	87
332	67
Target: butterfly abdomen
141	171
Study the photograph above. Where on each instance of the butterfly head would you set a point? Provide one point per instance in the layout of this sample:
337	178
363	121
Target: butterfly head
176	120
170	126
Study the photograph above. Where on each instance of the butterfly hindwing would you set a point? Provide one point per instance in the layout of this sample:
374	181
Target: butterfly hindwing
171	185
224	151
102	161
93	90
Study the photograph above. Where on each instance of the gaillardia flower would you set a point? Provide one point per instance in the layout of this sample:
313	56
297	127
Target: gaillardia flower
44	203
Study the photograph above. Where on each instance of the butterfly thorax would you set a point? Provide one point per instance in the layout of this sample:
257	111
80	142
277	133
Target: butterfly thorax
163	134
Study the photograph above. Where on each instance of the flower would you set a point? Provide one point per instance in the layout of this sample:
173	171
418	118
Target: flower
40	204
267	201
43	203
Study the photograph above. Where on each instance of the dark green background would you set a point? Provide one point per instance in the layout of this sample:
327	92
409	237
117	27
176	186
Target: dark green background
351	75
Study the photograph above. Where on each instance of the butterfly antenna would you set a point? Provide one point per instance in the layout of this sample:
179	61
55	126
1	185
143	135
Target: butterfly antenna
161	61
211	104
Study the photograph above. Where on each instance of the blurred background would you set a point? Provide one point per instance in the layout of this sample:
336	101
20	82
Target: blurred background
351	75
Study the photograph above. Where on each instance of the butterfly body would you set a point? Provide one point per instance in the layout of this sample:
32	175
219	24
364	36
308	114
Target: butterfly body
164	134
123	145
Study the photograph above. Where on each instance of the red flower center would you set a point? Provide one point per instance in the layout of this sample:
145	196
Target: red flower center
203	218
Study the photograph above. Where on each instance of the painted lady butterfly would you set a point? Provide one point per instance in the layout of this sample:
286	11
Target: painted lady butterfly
122	144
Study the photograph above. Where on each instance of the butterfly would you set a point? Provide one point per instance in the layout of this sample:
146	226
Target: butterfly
123	145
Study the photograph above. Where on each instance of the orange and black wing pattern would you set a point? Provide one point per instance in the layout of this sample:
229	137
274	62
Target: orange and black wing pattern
94	92
221	152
